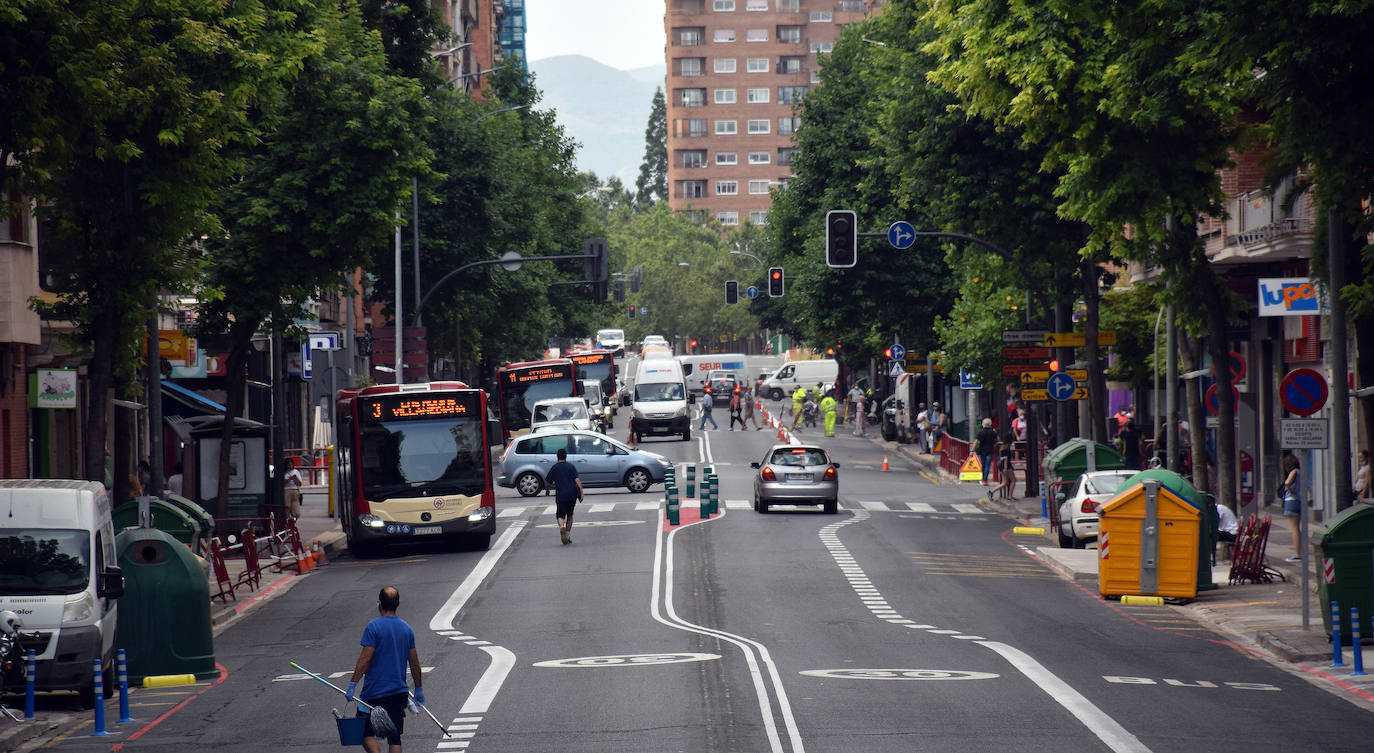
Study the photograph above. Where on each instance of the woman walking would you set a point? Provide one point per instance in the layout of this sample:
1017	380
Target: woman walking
1291	490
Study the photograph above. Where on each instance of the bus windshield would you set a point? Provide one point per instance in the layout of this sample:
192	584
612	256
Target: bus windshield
37	561
598	366
422	456
517	400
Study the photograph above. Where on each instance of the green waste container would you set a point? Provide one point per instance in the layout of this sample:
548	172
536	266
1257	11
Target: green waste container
1347	540
1068	461
164	615
203	518
167	516
1206	503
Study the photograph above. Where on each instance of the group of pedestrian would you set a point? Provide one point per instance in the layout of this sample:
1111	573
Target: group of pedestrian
932	424
740	406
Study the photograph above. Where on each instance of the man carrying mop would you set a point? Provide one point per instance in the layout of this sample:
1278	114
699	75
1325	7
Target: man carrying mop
388	647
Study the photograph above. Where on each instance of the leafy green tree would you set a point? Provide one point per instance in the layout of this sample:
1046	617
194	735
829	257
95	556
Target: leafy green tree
123	126
652	185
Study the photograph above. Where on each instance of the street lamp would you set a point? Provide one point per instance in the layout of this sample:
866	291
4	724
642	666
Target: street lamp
449	51
683	264
737	252
486	115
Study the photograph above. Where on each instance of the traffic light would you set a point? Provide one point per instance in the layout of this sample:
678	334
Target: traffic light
887	353
775	282
731	292
841	238
632	311
692	343
619	290
597	267
1054	365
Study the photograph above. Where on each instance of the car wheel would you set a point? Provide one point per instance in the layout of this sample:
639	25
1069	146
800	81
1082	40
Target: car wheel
637	480
1080	543
776	394
762	505
1065	542
529	484
756	503
832	506
687	434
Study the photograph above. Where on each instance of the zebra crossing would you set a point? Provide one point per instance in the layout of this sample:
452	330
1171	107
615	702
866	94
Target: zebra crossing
922	508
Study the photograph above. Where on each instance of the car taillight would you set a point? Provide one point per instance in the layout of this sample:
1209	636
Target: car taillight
767	474
830	474
1090	506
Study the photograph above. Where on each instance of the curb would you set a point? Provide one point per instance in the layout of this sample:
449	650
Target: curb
13	735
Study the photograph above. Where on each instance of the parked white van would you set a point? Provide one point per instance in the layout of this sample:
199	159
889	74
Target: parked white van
660	400
696	368
59	574
794	374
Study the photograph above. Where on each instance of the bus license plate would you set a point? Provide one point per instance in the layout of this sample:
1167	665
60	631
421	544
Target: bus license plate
423	530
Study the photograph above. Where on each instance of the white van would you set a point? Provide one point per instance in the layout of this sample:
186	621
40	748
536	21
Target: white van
696	368
794	374
59	573
612	340
660	400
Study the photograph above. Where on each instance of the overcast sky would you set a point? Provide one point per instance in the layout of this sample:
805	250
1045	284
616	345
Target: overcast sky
623	34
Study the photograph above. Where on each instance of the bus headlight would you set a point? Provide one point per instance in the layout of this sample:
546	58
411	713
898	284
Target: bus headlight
481	514
371	521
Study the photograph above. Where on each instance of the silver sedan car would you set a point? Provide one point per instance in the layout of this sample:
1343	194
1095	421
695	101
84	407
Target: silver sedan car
797	475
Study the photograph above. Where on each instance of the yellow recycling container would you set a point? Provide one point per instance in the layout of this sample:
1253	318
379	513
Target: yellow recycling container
1148	543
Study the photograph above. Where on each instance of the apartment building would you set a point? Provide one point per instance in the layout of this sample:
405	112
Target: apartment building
737	69
513	31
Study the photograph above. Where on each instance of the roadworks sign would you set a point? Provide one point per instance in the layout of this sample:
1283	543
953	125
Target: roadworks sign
972	470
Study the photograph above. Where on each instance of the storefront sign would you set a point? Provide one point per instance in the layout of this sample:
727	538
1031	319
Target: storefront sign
56	388
1290	296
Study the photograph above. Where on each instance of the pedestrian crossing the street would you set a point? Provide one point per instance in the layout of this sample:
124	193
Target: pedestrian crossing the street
924	508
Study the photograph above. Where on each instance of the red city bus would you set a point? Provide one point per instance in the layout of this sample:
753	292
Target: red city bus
413	463
598	365
521	385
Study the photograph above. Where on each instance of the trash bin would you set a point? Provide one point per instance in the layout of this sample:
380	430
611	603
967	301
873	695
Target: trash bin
1149	543
1207	540
167	516
164	615
1068	461
1344	547
199	514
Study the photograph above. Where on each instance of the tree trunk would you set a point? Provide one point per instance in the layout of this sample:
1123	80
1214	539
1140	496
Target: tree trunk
1097	384
240	344
1189	354
100	377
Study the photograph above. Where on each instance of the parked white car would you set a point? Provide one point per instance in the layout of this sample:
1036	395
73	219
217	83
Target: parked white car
1078	511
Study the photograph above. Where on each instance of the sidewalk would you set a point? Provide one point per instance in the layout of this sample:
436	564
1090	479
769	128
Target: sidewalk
1263	616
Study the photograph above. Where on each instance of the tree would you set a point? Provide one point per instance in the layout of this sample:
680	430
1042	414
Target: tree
652	185
134	110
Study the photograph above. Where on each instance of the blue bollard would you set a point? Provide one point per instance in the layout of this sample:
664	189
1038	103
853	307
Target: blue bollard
31	682
1336	660
1355	641
99	699
124	688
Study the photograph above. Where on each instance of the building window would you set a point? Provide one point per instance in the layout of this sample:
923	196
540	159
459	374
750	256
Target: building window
758	217
696	127
815	76
757	126
852	6
822	47
790	95
789	6
760	158
726	127
725	96
727	158
757	96
786	155
694	158
756	35
758	187
692	97
689	66
789	34
788	126
756	65
756	5
728	218
727	187
725	65
692	189
821	17
724	35
689	37
790	64
723	6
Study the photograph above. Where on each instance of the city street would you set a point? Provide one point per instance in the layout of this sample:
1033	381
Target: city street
912	620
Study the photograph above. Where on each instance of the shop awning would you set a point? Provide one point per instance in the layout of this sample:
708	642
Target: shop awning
179	401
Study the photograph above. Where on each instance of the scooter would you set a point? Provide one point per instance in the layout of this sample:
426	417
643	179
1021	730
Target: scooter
809	411
12	655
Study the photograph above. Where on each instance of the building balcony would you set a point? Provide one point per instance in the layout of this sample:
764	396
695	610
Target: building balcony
1264	227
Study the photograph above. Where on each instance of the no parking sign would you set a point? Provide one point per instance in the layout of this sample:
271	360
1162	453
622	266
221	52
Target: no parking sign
1303	391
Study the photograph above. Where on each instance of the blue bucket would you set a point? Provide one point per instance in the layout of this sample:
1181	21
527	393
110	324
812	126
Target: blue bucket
351	729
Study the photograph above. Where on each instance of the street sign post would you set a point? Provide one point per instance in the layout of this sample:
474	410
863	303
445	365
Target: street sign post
901	234
1077	339
316	341
895	368
1028	336
898	352
1029	377
1213	401
968	381
1304	433
752	291
1303	391
1061	386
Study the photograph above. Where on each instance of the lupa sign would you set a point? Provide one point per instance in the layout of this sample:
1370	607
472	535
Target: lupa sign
1291	296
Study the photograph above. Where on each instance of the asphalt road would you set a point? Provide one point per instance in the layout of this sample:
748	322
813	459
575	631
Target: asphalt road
913	620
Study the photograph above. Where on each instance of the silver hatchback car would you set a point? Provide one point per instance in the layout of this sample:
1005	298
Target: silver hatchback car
600	461
797	475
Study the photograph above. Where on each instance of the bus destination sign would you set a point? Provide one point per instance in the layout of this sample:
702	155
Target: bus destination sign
399	407
540	374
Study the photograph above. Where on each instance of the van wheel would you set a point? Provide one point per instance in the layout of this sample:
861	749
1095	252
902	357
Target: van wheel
687	434
637	480
776	394
529	484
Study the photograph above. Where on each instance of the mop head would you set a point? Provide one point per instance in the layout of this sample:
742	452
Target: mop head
381	722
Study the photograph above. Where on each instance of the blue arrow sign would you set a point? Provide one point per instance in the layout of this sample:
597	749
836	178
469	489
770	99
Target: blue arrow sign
901	234
898	352
1061	386
968	381
752	291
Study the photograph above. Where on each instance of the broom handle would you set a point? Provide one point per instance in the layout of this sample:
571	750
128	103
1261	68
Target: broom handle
342	692
431	715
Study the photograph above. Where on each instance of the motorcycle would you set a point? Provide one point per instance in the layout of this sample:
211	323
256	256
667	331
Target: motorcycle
13	656
809	411
890	408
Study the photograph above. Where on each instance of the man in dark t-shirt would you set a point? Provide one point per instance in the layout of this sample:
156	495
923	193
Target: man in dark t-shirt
567	490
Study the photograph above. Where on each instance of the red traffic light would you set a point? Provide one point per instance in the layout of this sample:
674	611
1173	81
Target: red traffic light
888	354
694	343
1054	365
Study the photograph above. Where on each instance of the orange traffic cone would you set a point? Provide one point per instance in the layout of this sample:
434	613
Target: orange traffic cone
319	554
884	462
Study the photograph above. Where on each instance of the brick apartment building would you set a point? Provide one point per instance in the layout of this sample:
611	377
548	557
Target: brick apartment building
736	71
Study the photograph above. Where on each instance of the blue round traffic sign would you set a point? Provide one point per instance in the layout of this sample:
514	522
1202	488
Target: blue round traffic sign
1303	391
901	234
1061	386
752	291
898	353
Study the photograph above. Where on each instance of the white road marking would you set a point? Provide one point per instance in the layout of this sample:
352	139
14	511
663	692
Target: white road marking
970	509
879	506
647	505
600	507
739	504
919	507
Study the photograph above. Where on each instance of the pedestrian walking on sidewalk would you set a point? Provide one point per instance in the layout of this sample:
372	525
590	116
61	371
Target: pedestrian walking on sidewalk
1004	467
736	411
567	493
984	445
388	648
1291	491
1361	485
860	412
707	402
293	489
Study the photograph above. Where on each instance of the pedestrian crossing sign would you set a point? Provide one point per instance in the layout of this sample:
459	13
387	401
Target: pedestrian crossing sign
972	470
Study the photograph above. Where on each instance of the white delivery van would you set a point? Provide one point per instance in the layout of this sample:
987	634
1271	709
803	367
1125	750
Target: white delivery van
696	368
660	400
58	572
794	374
612	340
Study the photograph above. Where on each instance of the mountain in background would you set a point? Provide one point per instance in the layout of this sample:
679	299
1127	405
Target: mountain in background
604	109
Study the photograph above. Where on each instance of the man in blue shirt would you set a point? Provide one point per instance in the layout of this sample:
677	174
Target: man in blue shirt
388	647
567	489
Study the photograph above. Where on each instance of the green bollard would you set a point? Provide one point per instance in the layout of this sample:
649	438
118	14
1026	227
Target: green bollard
691	481
671	505
715	493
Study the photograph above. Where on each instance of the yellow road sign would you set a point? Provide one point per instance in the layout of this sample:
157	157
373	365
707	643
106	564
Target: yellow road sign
1035	395
1077	339
1038	377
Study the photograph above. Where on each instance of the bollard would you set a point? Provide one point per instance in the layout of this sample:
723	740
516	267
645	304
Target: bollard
30	681
705	496
123	688
671	503
1355	641
1336	660
691	481
99	699
714	481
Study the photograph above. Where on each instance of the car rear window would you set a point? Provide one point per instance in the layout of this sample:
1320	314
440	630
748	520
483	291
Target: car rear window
799	456
1104	484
